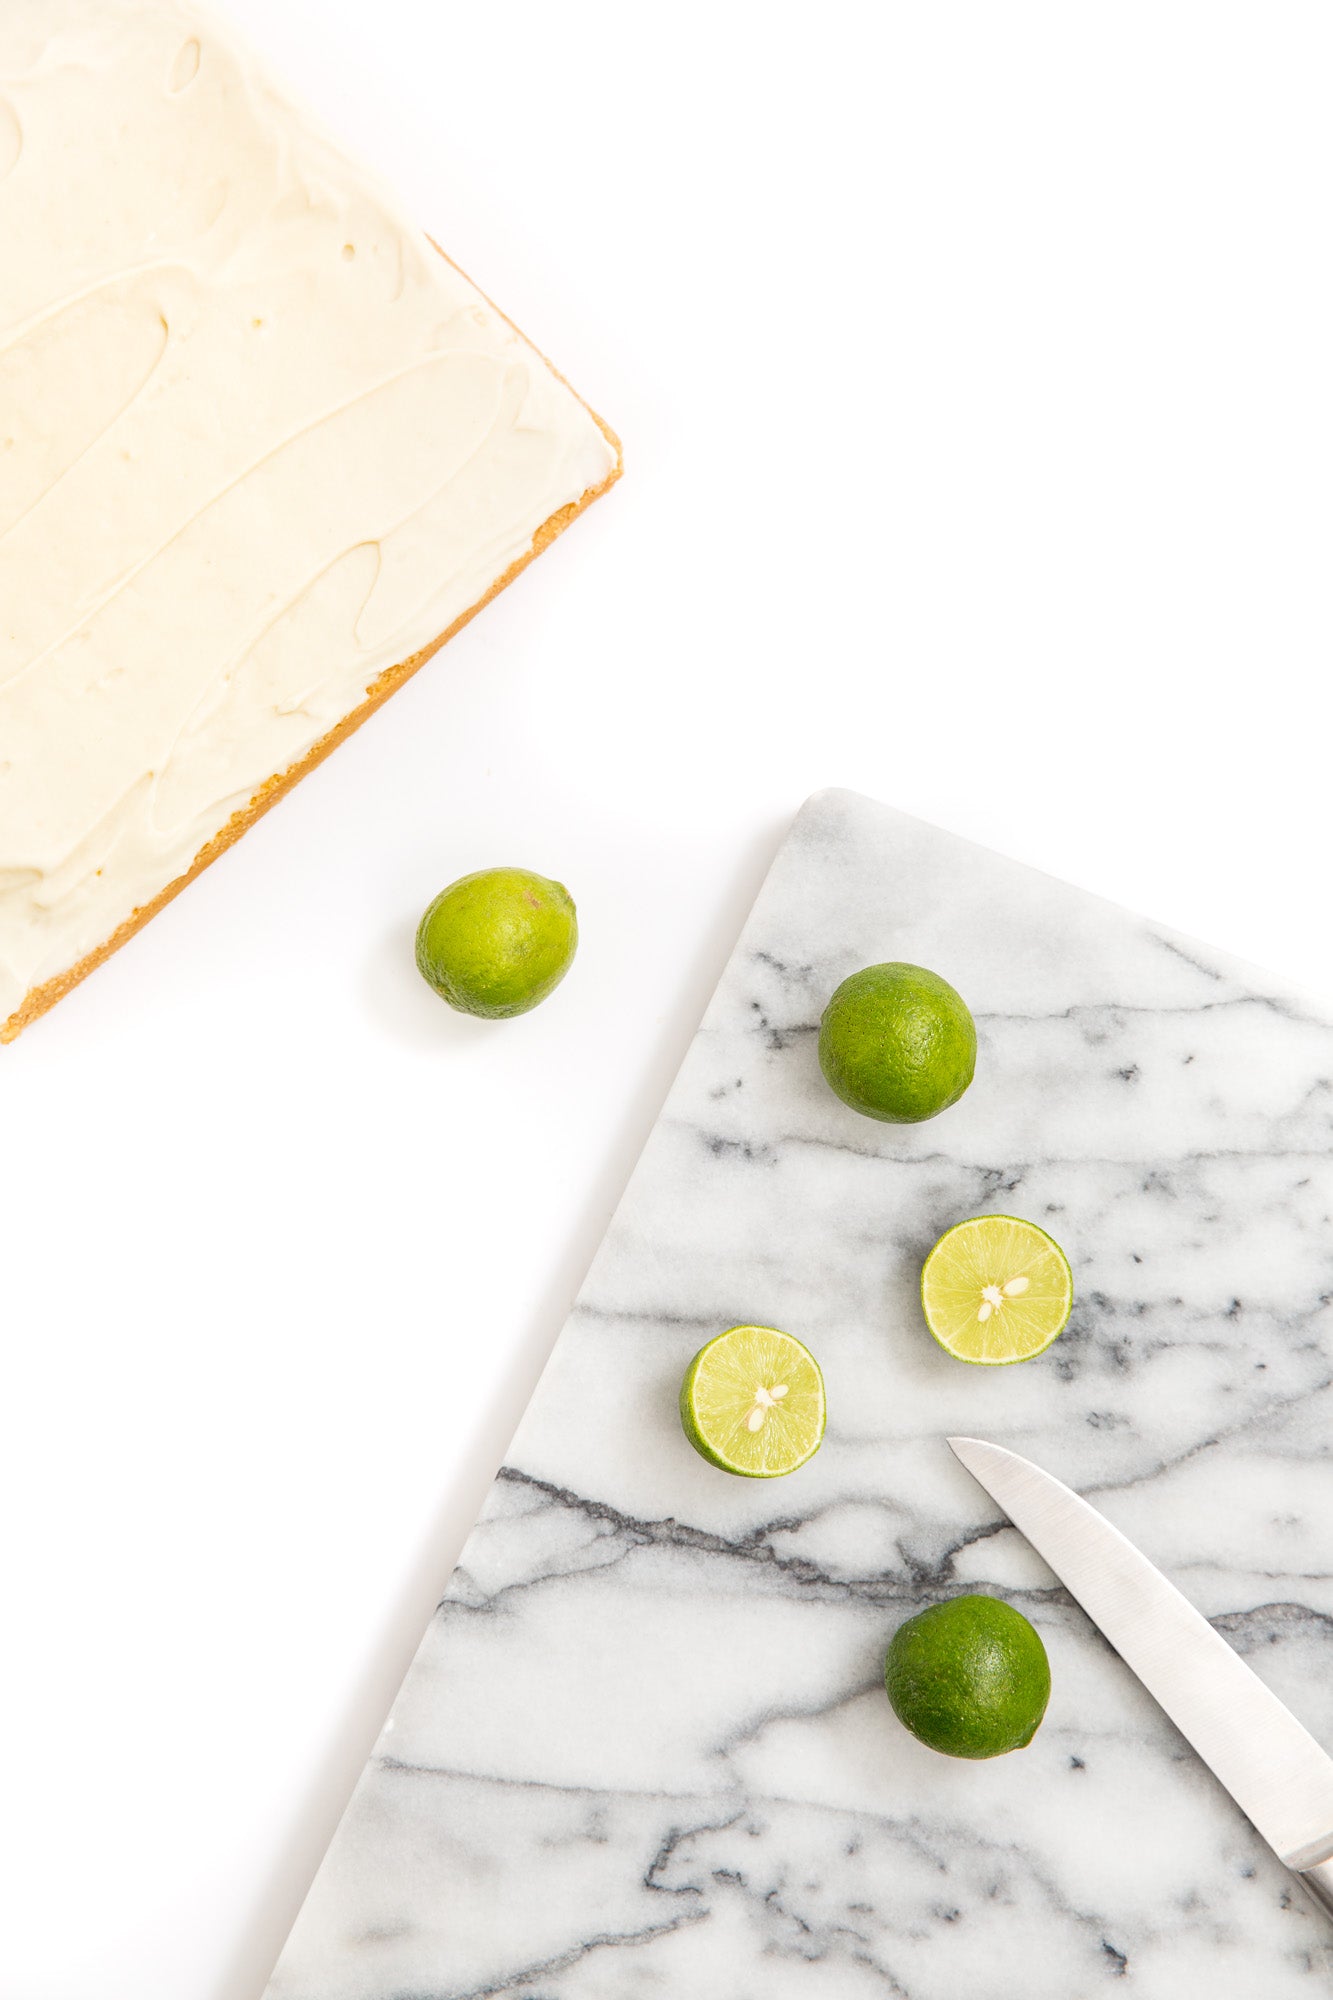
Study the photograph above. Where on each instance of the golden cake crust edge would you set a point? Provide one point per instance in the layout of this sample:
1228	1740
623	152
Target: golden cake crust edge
40	999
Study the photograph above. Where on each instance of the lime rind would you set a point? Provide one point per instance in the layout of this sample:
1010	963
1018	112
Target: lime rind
996	1289
752	1402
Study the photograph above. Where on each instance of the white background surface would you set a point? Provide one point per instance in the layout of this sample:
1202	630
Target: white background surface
972	365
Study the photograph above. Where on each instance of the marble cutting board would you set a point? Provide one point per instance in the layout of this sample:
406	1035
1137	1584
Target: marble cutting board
644	1748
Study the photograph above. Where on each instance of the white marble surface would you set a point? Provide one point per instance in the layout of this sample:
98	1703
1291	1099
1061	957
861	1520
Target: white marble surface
644	1749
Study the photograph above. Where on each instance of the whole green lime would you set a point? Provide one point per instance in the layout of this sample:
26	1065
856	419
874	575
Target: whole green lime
969	1678
497	942
898	1043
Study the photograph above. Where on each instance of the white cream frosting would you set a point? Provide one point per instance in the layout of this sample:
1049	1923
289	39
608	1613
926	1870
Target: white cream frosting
258	442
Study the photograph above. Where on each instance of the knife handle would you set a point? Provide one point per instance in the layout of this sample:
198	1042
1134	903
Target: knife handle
1318	1883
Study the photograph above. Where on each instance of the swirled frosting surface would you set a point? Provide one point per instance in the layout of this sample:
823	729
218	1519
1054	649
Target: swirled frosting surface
258	442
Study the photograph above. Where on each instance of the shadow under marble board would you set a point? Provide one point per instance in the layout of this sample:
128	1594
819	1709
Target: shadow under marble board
644	1749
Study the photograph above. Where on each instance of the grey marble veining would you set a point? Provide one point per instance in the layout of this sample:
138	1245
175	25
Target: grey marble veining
644	1749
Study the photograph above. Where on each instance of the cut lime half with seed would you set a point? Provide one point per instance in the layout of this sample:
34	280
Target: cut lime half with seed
996	1289
752	1402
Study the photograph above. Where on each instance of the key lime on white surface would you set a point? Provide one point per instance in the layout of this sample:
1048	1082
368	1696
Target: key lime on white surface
752	1402
498	942
996	1289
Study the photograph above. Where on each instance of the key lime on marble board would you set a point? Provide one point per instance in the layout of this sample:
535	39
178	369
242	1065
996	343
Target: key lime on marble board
496	943
752	1402
898	1043
969	1678
996	1289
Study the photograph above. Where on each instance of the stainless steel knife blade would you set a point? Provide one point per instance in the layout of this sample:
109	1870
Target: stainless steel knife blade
1273	1768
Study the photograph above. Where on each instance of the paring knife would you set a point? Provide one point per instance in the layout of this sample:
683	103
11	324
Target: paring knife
1274	1770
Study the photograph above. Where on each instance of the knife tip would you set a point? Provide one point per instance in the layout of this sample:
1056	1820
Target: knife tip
973	1453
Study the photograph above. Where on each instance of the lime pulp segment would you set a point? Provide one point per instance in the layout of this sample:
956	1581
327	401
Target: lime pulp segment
752	1402
996	1289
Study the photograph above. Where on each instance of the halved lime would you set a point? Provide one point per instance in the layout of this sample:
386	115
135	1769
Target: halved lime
996	1289
752	1402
